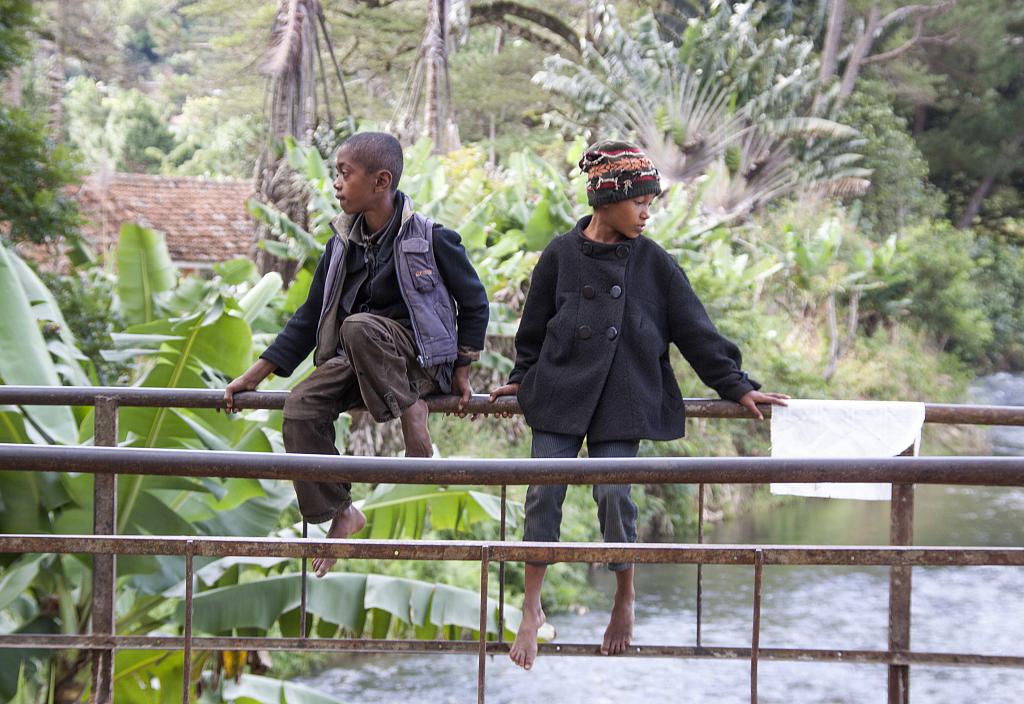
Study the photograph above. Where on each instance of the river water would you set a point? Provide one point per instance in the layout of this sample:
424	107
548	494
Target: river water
974	609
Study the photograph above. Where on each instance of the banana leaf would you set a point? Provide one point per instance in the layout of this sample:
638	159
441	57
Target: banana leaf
255	689
396	511
25	357
144	270
343	599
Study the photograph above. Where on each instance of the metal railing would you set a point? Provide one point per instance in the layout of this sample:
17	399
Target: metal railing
106	461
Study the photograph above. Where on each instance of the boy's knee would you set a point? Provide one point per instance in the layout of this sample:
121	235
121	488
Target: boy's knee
356	329
613	494
300	407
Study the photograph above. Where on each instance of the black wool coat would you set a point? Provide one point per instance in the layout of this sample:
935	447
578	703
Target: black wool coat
592	355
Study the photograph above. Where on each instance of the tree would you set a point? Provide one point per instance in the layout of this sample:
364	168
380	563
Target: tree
33	170
725	100
971	128
290	64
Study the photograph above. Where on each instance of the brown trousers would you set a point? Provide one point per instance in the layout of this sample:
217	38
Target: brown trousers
376	369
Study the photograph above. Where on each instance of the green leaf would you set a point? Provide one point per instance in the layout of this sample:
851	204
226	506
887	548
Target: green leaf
15	580
236	271
46	310
298	291
255	689
21	509
540	228
24	356
144	270
12	426
260	295
344	598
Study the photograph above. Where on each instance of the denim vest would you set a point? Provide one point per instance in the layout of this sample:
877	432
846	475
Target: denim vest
431	307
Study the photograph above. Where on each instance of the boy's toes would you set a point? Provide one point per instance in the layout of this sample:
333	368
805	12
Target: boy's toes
322	565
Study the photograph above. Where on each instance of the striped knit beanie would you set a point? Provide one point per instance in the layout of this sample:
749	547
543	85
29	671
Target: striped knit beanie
618	171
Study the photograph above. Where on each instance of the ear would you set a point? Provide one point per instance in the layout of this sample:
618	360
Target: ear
382	182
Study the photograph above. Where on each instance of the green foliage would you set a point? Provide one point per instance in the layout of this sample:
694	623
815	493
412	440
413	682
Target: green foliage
88	302
900	195
25	357
14	41
144	271
210	142
941	283
972	116
33	172
121	127
725	100
1000	280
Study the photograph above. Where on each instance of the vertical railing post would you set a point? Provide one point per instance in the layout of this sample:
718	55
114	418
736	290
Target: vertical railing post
305	585
700	564
501	571
186	670
481	677
103	567
901	532
755	636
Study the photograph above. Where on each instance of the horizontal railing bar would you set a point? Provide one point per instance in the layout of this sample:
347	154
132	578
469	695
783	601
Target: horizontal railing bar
945	413
465	647
976	471
469	550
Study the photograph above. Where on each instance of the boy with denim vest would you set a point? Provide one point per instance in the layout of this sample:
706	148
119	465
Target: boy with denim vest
395	311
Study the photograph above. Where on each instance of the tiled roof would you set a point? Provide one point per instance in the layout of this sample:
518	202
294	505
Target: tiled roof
203	220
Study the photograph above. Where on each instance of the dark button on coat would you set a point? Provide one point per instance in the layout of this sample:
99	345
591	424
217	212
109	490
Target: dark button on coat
621	386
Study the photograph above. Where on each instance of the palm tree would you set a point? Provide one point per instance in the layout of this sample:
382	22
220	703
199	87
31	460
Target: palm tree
425	108
291	65
723	101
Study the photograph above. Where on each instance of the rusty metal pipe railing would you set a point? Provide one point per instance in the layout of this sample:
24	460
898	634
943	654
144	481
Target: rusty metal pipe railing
973	470
759	556
465	647
978	471
517	551
427	647
944	413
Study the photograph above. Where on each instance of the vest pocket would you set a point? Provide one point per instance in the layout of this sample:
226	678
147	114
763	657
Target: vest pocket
419	263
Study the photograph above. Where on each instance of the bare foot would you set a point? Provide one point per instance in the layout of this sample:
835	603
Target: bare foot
620	627
524	650
415	432
349	521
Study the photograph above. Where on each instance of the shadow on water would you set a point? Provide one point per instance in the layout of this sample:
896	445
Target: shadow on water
975	609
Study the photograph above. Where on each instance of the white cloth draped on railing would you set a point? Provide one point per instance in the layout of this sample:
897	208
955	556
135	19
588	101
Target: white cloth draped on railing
809	428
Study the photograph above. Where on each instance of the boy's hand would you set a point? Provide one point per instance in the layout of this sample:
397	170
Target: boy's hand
461	386
506	390
252	377
752	398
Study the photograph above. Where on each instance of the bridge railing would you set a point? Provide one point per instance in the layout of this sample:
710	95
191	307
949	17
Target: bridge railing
106	462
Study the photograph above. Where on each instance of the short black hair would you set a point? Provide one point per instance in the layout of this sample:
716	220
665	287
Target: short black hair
377	151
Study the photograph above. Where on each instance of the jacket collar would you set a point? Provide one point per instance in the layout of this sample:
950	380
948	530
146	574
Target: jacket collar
343	224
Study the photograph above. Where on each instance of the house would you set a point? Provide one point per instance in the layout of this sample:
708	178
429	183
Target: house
203	220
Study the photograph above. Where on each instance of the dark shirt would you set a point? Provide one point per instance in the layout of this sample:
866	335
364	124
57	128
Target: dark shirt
371	284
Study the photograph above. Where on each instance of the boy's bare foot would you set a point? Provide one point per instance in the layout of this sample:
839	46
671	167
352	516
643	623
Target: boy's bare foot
415	432
524	649
349	521
620	627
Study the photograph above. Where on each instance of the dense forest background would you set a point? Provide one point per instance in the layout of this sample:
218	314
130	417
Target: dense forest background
844	191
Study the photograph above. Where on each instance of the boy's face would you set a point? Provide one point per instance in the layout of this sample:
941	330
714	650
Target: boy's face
356	188
629	217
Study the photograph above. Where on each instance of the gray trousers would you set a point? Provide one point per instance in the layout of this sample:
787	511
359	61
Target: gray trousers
376	368
616	511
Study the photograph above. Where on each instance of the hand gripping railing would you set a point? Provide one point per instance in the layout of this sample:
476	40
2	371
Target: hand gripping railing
107	462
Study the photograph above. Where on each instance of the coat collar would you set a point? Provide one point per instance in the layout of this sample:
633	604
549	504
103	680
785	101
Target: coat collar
600	250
